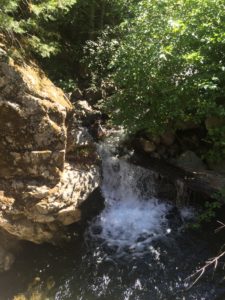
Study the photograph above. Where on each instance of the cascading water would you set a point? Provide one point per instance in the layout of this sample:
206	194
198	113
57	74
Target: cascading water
136	249
133	217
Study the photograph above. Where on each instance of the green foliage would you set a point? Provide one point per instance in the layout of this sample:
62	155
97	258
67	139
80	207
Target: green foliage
170	64
7	21
217	138
210	209
68	85
56	31
88	19
87	29
220	195
35	23
98	54
208	213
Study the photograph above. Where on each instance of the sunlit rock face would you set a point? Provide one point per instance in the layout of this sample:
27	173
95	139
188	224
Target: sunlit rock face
32	124
40	192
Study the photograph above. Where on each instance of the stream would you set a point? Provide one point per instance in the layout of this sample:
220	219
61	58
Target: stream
138	248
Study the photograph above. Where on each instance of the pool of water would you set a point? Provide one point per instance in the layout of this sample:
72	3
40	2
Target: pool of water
91	269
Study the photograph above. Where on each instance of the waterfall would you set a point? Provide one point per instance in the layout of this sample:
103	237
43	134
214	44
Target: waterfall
133	217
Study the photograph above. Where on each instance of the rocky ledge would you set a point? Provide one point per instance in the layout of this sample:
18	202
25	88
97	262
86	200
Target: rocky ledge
40	190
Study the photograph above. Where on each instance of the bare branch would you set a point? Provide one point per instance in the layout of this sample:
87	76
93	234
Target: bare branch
210	262
201	271
221	227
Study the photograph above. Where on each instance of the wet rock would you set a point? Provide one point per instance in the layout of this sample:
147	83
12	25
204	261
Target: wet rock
190	161
165	190
174	218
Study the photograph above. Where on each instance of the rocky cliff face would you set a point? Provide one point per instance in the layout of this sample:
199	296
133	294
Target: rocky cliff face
32	124
40	192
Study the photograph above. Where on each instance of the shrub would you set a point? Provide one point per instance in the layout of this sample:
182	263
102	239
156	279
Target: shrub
170	65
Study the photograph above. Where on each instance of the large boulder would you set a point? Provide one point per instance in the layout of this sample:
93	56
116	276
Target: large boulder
40	192
189	161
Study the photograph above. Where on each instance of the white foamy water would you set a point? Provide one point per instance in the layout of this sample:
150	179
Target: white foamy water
133	217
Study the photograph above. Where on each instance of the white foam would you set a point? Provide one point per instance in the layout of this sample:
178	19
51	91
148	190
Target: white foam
133	217
133	223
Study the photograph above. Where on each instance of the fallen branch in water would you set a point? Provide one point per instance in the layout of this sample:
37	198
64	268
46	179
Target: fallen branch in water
213	261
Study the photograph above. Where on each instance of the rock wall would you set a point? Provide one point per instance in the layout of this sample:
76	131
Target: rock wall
40	192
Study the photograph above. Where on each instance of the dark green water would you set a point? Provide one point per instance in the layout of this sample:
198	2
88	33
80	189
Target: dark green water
88	270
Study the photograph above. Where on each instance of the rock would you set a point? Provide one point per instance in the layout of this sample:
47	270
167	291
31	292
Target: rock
92	122
78	137
156	155
147	146
81	146
32	124
84	107
186	125
161	150
85	114
190	161
40	192
92	95
156	140
76	95
165	190
168	138
189	142
97	130
203	185
173	150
